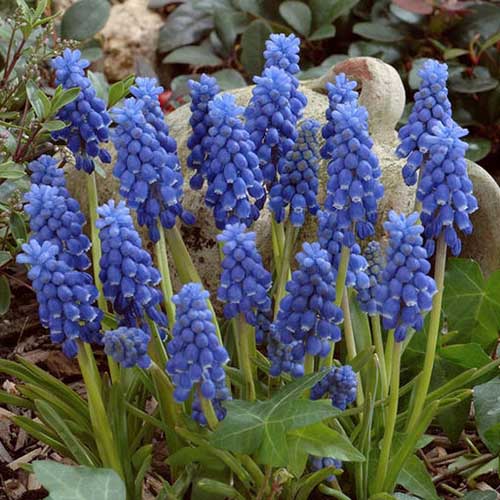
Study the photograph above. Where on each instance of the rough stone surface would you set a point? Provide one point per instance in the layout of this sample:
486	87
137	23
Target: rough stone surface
383	94
130	35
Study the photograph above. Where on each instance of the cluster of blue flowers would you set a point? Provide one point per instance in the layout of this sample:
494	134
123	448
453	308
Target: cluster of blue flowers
406	289
149	174
235	185
196	357
282	51
432	107
66	297
127	346
340	384
244	282
126	270
445	189
366	295
297	186
308	314
46	172
285	357
270	120
58	219
87	116
318	463
201	93
353	188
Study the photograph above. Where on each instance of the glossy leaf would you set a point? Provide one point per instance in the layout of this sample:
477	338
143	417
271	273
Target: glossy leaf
378	32
480	81
5	295
194	55
297	15
84	19
18	227
480	495
10	170
4	257
36	100
54	125
415	478
229	25
487	406
326	11
66	482
322	33
422	7
252	45
229	79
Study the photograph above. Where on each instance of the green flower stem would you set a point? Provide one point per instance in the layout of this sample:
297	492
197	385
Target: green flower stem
339	293
308	364
114	369
166	282
278	239
208	411
379	349
243	333
185	268
392	413
389	348
99	418
432	336
351	343
94	234
284	268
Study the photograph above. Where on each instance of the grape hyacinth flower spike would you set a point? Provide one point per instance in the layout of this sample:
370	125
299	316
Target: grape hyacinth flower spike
65	296
149	175
87	116
432	107
244	283
406	290
235	185
270	120
340	384
56	217
45	171
282	51
128	346
202	93
297	186
308	317
127	273
196	358
445	189
366	295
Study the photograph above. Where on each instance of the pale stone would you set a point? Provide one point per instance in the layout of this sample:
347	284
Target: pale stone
383	95
130	36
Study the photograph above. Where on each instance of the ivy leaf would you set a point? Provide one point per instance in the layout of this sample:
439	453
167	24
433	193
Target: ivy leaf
66	482
84	19
298	15
261	426
253	44
194	55
378	32
415	478
184	26
487	406
471	303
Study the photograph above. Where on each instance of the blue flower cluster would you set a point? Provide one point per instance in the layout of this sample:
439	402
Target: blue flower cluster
308	313
431	107
353	188
196	356
66	297
445	189
128	346
149	175
284	357
87	116
270	120
331	239
283	52
318	463
58	219
235	185
340	384
126	270
244	283
366	295
201	93
406	289
45	171
340	92
297	186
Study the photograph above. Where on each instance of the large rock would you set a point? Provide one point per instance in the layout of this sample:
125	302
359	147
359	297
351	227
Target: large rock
382	92
130	36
